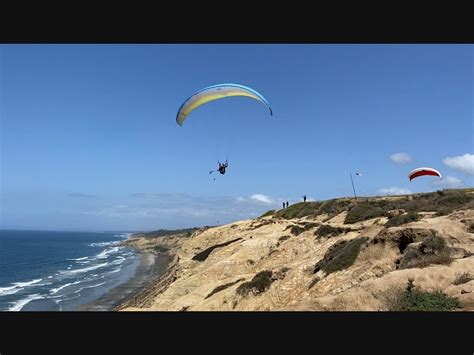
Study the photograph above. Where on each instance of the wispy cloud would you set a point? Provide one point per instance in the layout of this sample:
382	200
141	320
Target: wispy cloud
258	199
78	194
463	163
394	191
400	158
261	199
124	211
167	206
449	182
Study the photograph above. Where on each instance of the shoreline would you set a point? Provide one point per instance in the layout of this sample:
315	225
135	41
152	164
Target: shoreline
150	268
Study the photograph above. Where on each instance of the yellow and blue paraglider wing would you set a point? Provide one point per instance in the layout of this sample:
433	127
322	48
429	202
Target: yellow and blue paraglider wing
216	92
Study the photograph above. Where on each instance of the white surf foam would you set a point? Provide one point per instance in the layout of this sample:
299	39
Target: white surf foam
92	286
104	244
73	272
27	283
17	287
4	291
104	253
113	271
18	305
56	290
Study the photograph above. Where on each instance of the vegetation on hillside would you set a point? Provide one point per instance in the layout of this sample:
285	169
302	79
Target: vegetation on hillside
413	299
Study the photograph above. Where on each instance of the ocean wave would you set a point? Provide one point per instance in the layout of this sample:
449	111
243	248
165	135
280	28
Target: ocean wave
27	283
104	244
104	253
77	259
44	284
113	271
83	262
18	305
67	299
56	290
118	261
123	235
73	272
17	287
5	291
92	286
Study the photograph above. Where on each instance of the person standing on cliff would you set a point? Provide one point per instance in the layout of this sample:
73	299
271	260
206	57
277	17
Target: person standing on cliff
287	204
304	198
283	204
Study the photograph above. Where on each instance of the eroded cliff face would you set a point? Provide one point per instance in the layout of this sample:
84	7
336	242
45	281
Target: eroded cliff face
311	263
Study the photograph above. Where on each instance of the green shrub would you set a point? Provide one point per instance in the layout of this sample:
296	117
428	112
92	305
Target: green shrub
280	274
160	249
222	287
363	212
334	207
304	209
443	211
471	228
299	210
433	244
442	202
205	253
413	259
327	230
432	250
268	213
340	256
463	278
165	232
259	283
314	282
402	219
414	300
297	230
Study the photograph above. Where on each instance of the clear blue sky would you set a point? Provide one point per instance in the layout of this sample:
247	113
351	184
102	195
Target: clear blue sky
89	138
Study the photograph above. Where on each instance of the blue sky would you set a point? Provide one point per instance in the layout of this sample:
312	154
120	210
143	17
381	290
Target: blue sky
89	139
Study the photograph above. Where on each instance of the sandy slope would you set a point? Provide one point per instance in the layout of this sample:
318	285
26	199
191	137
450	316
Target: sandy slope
362	286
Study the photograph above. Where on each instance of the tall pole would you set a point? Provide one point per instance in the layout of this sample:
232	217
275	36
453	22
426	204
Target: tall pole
353	188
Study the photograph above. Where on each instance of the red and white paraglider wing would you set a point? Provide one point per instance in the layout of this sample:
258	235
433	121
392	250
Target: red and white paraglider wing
422	172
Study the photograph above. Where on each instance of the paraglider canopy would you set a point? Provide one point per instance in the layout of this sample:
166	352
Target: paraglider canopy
422	172
216	92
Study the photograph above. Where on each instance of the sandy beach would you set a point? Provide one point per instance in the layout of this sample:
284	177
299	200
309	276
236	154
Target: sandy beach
151	267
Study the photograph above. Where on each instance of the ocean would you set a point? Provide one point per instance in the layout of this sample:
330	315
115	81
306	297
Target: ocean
60	271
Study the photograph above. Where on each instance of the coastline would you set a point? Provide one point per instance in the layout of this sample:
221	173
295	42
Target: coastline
151	267
157	269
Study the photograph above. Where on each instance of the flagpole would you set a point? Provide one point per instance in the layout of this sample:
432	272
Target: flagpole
353	188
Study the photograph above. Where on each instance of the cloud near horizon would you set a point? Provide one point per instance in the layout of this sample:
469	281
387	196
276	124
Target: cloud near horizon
463	163
400	158
449	182
164	207
394	191
261	199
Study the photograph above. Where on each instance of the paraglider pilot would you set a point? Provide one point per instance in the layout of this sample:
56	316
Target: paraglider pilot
222	167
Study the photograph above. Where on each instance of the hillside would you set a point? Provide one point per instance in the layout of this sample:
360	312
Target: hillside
340	254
